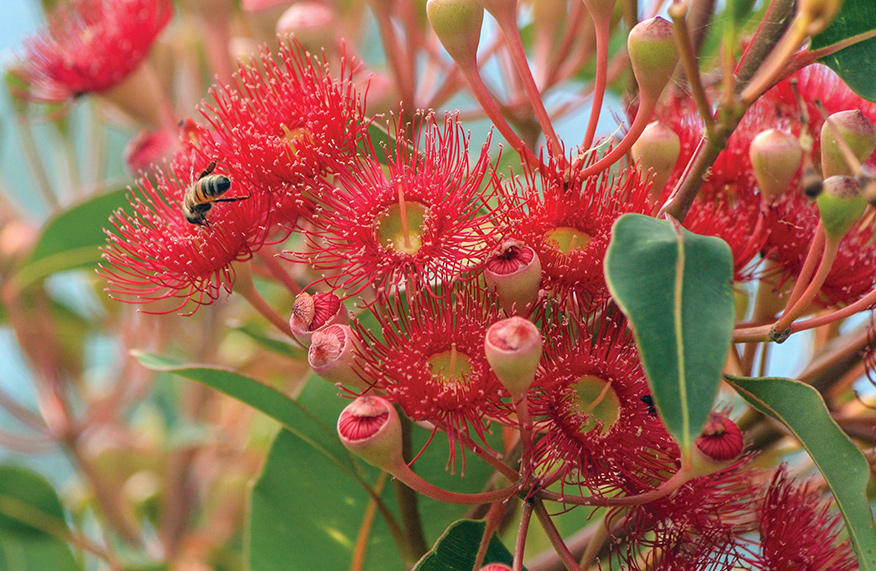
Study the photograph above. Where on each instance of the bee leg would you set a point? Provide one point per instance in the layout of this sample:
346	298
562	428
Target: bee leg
207	170
235	199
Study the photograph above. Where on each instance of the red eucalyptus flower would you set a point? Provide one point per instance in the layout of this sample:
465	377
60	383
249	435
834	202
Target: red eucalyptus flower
697	527
91	46
797	530
154	253
419	218
595	429
431	359
569	227
284	124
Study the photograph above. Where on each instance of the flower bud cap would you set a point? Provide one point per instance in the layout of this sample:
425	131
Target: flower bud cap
332	355
775	159
457	23
718	445
840	204
370	428
652	55
657	150
311	312
513	347
859	134
514	273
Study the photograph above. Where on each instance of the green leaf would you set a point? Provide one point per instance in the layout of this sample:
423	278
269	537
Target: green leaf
457	549
32	524
855	63
263	398
800	408
304	514
71	239
675	287
270	343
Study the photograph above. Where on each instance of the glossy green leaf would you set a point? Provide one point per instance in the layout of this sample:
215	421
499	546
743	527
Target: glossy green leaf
457	549
71	239
800	408
675	288
32	524
855	63
280	407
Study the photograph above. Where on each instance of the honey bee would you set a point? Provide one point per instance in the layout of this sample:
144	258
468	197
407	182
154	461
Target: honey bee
205	191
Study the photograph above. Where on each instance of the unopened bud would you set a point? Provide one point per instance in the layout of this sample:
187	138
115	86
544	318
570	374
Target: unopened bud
718	445
775	159
652	55
840	204
859	134
312	24
332	355
370	428
495	567
148	148
311	312
514	272
656	150
513	347
457	23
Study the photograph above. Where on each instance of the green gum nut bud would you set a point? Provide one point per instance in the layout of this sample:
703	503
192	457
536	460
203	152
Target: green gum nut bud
840	204
513	347
370	428
652	55
857	131
332	355
775	159
457	23
656	150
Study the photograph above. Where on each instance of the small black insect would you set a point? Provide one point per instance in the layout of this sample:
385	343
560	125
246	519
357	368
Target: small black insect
648	400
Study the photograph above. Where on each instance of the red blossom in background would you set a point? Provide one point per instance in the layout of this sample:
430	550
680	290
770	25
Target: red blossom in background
154	253
419	218
91	46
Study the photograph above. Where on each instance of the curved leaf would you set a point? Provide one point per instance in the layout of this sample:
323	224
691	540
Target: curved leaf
72	239
675	287
32	524
800	408
855	63
457	549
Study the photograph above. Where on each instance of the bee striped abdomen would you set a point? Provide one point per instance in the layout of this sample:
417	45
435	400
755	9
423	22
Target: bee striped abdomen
209	188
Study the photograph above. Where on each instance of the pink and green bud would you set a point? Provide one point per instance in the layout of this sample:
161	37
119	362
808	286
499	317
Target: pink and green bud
840	204
370	428
311	312
652	55
775	159
656	151
859	134
514	273
332	356
457	23
513	347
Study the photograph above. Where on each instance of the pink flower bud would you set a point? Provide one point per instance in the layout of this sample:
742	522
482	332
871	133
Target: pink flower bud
311	312
514	272
149	147
495	567
312	23
859	134
775	159
840	204
457	23
332	355
721	440
657	150
370	428
652	55
513	347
